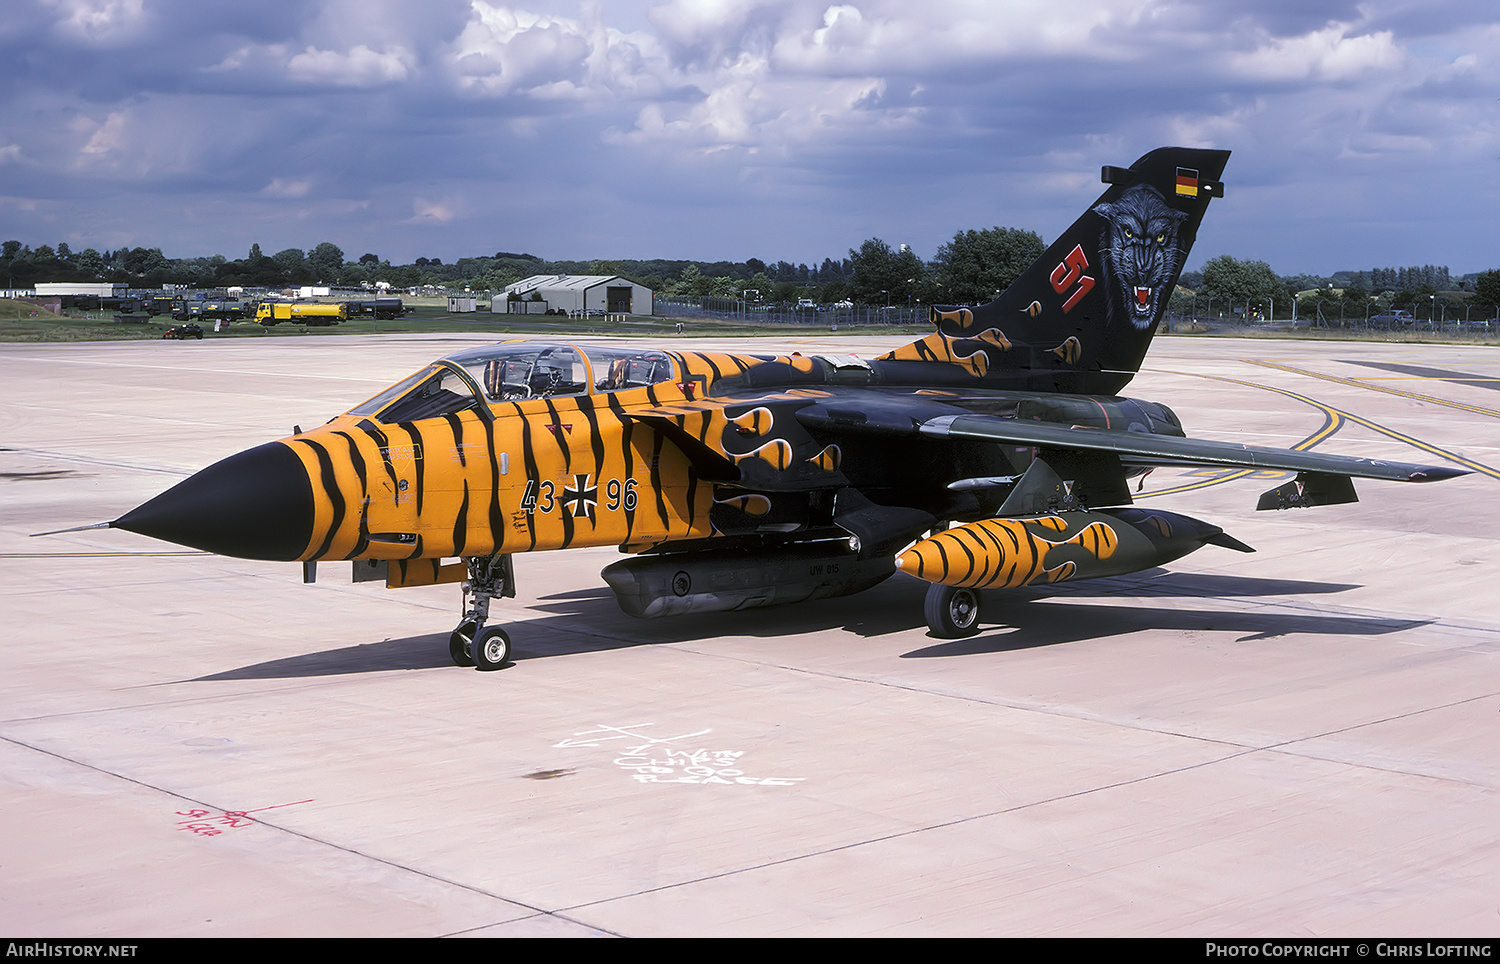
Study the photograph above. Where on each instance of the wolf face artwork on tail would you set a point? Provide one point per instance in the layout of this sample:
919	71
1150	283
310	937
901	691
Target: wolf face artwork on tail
992	453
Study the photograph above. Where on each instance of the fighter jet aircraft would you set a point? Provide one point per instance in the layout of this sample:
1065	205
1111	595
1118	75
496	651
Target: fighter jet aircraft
992	453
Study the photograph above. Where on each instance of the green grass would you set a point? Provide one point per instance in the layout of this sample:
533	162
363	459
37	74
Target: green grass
22	321
1341	334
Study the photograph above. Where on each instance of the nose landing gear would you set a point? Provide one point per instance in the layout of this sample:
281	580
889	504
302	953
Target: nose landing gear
471	642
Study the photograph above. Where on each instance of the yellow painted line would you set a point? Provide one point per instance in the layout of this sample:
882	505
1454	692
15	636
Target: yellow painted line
1381	429
1356	383
1334	420
1418	443
1202	484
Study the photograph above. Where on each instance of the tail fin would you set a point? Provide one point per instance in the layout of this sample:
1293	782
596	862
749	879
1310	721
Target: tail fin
1081	317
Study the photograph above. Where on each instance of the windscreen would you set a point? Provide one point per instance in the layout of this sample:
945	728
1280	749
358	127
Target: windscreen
433	391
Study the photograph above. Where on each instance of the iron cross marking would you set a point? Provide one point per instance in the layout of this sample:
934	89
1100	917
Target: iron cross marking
580	497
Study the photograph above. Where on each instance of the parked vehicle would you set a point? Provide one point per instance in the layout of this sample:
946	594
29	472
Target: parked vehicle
310	313
210	309
379	307
183	332
160	305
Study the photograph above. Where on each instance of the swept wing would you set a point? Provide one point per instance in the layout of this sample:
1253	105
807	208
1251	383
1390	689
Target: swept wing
1140	448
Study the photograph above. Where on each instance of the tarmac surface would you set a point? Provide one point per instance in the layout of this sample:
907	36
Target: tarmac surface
1299	742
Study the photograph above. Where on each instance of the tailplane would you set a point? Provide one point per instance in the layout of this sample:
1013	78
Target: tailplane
1081	317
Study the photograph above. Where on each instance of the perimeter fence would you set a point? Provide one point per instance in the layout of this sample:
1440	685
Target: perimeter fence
727	310
739	312
1374	326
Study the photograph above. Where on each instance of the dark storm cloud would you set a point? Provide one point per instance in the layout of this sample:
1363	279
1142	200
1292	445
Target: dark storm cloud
726	128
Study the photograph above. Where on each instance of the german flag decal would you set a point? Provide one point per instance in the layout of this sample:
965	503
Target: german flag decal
1187	181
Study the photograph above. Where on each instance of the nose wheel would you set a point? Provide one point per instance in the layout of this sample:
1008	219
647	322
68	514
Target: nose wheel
491	648
472	643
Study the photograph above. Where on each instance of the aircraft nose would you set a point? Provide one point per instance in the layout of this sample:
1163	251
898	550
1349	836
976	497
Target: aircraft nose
255	505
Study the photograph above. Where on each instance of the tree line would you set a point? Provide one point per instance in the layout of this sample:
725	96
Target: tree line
1227	285
971	268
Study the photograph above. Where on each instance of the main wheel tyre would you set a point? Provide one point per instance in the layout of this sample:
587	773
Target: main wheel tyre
460	644
952	613
491	648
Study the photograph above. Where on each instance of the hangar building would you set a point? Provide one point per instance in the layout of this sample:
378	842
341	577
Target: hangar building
576	294
76	289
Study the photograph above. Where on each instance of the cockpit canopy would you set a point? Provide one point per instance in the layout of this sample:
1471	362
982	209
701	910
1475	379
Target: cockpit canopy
514	372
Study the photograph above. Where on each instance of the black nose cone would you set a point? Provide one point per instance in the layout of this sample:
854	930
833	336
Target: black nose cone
255	505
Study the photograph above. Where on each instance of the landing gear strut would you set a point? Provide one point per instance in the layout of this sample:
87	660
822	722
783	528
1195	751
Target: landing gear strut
471	643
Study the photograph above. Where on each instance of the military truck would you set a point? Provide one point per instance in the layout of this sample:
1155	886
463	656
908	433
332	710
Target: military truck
210	309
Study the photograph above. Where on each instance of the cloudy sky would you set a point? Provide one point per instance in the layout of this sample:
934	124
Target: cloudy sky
1364	133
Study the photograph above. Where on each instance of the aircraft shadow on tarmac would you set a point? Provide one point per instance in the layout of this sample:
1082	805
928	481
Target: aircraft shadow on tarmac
588	620
1024	626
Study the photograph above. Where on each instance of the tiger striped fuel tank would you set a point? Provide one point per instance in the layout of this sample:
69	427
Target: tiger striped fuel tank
1009	553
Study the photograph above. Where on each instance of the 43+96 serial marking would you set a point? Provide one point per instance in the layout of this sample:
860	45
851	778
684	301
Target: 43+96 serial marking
580	497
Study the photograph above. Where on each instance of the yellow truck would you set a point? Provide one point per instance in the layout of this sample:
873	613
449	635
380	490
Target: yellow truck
275	312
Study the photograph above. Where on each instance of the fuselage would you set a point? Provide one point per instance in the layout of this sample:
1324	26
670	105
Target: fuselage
514	449
524	446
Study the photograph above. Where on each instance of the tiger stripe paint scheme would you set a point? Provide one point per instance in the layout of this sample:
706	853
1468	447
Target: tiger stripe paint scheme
463	485
953	344
1010	553
546	473
739	480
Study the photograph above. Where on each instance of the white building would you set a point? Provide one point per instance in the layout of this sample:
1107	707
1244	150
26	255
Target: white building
54	289
577	294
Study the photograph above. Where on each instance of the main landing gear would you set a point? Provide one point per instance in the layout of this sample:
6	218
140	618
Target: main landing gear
952	612
472	643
